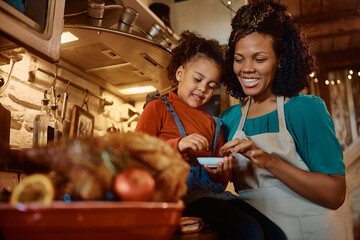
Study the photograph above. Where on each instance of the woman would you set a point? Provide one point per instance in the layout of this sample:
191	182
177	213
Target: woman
289	162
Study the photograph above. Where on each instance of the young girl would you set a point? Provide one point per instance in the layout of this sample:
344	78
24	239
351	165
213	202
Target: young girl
197	67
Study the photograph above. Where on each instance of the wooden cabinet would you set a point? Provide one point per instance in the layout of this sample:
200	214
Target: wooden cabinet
8	181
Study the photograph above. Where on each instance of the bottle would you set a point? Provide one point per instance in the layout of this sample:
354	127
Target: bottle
55	126
41	122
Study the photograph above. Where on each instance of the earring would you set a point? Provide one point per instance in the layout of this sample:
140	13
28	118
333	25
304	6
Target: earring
178	78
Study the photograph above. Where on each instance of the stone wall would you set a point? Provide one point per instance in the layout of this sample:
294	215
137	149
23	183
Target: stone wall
23	98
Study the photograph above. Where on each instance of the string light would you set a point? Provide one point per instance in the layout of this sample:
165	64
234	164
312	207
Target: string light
316	80
228	5
337	81
312	74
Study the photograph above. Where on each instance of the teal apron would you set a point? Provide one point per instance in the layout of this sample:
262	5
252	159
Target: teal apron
296	216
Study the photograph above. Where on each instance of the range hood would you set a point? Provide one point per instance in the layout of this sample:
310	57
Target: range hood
115	59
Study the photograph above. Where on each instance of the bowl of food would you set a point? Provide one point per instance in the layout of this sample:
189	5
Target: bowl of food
118	186
90	220
210	161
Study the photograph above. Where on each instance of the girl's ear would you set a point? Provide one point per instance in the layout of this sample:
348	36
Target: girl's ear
179	73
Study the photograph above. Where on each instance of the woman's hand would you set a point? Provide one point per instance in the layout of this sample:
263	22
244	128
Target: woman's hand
248	149
195	142
234	146
325	190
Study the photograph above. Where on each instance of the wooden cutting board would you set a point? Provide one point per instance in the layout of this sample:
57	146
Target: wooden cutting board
5	118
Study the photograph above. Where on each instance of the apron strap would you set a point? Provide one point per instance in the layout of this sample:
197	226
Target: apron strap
244	115
218	123
170	108
281	113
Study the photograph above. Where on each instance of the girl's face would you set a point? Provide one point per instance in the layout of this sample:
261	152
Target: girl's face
198	80
255	64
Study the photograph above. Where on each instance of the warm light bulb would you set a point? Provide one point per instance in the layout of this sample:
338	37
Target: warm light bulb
338	81
327	82
68	37
349	77
312	74
332	82
229	2
351	72
359	74
316	80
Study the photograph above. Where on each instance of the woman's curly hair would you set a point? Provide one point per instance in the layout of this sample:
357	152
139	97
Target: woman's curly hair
289	44
192	47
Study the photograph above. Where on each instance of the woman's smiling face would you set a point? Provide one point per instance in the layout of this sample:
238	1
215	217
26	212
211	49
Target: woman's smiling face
198	80
255	64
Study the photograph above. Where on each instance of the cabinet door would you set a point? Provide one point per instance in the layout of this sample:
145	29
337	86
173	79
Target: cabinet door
8	181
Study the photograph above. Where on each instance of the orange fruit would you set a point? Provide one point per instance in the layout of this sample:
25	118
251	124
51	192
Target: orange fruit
35	188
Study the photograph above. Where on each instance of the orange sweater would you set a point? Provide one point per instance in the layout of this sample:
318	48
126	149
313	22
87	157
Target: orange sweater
157	121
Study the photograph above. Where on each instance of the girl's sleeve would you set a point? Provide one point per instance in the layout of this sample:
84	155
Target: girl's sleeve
150	120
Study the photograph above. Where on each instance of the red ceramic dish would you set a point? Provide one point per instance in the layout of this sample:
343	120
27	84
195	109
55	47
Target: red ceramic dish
90	220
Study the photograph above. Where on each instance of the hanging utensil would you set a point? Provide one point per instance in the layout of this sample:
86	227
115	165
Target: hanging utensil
65	100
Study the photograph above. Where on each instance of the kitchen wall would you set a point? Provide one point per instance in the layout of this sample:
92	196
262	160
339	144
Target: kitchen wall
23	98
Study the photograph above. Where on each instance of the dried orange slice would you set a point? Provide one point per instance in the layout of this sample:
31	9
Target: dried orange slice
35	188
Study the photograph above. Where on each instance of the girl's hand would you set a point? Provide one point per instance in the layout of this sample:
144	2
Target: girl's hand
195	142
223	168
249	150
223	172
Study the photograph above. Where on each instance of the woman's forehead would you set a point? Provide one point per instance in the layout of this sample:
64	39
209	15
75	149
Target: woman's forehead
255	42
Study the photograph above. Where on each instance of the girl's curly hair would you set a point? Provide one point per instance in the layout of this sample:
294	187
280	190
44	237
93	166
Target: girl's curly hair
289	44
192	47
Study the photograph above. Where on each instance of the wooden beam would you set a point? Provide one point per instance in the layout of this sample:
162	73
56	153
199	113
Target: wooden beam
312	14
338	59
339	27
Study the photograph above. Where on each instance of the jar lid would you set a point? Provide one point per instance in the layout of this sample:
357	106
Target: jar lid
131	11
157	26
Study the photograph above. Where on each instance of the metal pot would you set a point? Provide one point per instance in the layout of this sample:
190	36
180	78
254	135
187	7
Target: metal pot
129	16
95	8
154	32
124	27
165	42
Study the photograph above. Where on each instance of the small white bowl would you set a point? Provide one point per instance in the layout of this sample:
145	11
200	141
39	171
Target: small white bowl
210	161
